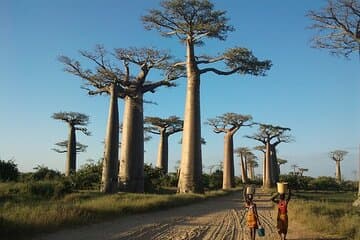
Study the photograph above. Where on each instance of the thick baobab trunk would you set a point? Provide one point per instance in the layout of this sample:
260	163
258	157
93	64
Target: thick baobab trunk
191	163
162	160
228	174
268	182
71	152
243	169
251	172
131	171
338	171
264	170
275	166
111	153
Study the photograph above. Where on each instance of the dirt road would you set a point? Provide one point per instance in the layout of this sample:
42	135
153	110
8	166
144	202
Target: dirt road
214	219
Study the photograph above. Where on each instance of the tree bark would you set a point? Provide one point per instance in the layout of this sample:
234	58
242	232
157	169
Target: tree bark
228	174
275	166
338	171
191	162
268	182
131	171
71	152
250	172
264	169
243	170
162	160
111	153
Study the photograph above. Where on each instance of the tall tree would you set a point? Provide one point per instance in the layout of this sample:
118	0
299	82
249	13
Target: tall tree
251	165
302	170
131	170
76	122
281	138
109	78
280	162
163	127
192	21
106	78
294	167
262	149
266	133
338	27
242	153
229	124
338	156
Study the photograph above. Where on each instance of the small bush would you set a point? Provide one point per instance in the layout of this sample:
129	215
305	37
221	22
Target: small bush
8	171
88	177
44	173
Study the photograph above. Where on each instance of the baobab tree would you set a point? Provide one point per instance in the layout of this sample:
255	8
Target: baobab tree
251	165
302	170
192	21
338	27
229	124
262	148
281	138
106	78
266	133
164	127
338	156
109	78
76	122
242	153
294	167
280	162
131	170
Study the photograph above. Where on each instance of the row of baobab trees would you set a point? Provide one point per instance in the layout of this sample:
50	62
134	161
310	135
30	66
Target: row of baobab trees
124	74
192	22
228	124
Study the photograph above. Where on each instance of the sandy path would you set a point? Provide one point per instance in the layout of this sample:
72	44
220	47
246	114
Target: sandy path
214	219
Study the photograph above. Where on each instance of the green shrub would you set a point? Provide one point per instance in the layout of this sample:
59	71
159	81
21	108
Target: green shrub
88	176
8	171
44	173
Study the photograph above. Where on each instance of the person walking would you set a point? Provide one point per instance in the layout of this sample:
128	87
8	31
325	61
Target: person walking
282	216
252	217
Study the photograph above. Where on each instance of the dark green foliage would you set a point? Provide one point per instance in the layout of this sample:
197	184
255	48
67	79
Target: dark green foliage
213	181
322	183
45	173
152	178
49	189
8	171
88	176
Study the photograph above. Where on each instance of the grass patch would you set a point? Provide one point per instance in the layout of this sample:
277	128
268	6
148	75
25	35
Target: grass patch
330	213
23	217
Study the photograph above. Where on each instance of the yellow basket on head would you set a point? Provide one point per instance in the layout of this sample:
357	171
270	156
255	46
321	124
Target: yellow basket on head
250	190
282	187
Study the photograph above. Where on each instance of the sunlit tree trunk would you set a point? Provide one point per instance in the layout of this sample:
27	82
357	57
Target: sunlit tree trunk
228	171
162	160
338	171
243	169
191	162
268	182
71	152
131	171
111	153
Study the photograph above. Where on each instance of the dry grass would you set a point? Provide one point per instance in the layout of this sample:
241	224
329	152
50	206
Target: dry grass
329	213
23	217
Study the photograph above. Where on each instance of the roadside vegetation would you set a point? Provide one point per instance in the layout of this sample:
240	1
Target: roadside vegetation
328	212
45	200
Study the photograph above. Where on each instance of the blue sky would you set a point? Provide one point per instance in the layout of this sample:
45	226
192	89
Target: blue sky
308	90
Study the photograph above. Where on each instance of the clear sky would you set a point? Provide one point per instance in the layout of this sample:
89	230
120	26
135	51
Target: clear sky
308	90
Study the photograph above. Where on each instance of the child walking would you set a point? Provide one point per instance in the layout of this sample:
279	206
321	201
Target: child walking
252	217
282	217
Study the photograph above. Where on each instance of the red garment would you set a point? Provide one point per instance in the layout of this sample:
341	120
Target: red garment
282	206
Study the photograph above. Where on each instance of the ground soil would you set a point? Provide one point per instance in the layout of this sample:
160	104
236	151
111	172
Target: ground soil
214	219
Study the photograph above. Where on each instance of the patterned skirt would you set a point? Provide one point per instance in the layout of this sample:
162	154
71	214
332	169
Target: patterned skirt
251	220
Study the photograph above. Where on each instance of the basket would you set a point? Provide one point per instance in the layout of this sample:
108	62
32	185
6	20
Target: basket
282	187
261	231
